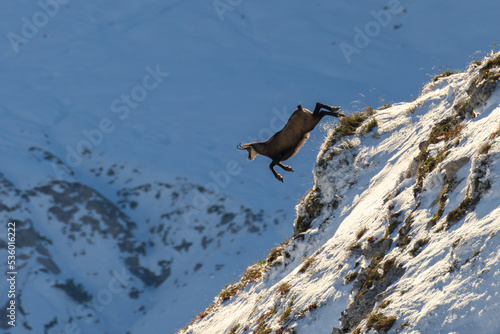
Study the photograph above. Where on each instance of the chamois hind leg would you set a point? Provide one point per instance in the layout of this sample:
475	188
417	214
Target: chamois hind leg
317	109
276	175
285	167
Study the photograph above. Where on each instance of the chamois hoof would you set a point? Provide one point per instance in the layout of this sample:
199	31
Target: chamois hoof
287	168
279	177
336	108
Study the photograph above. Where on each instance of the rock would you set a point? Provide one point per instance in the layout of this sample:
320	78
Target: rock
479	91
413	169
49	265
452	167
364	302
480	94
26	236
145	275
227	218
380	248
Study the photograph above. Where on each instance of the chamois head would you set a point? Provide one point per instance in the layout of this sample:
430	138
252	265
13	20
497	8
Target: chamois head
251	150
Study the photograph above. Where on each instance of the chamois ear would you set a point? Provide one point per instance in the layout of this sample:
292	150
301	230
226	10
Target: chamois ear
300	107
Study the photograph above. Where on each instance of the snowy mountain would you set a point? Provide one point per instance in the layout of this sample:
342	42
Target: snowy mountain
97	253
119	122
399	233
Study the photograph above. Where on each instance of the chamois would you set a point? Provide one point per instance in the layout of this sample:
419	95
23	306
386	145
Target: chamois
285	143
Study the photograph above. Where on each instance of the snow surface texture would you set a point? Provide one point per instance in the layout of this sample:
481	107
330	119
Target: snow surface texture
372	248
211	81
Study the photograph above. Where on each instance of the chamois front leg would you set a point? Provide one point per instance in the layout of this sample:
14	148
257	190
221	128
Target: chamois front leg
285	167
276	175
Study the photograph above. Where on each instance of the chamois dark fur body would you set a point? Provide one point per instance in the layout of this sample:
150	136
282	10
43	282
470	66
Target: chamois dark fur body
285	143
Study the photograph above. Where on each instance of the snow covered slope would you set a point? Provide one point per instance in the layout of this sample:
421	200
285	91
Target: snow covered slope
400	232
118	126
